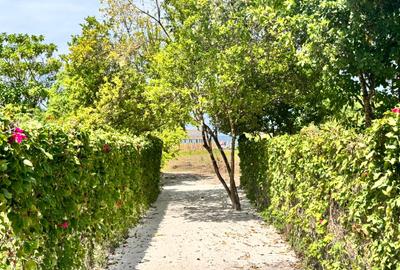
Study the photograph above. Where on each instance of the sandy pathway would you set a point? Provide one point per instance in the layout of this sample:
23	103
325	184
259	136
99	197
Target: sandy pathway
192	227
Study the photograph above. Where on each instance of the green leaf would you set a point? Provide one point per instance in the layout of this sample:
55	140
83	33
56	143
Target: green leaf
28	163
390	135
77	161
30	265
50	156
3	165
370	155
380	183
7	194
391	146
393	122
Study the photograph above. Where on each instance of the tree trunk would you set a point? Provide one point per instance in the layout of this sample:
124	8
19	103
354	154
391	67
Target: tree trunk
398	94
208	135
398	88
208	146
367	95
234	193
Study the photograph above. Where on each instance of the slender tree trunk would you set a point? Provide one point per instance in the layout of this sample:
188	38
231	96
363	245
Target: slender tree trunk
367	95
208	146
221	150
398	94
398	88
234	193
208	135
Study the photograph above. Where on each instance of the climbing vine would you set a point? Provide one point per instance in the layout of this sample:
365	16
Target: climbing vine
334	192
67	195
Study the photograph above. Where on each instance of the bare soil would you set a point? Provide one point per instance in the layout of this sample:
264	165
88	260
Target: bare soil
198	162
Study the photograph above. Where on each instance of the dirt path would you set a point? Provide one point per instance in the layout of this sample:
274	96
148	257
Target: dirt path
192	227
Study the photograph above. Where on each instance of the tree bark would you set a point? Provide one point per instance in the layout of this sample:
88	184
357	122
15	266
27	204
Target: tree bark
398	88
398	94
208	134
234	193
218	144
367	95
207	145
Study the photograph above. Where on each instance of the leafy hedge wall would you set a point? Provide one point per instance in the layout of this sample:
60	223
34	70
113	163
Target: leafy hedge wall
67	196
335	193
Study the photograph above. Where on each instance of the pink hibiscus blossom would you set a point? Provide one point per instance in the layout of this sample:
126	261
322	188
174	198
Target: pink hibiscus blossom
396	110
18	136
64	225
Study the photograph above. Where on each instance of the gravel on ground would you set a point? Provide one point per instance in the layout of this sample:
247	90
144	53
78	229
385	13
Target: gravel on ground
192	227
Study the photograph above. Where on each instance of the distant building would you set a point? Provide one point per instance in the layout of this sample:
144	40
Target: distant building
193	136
194	141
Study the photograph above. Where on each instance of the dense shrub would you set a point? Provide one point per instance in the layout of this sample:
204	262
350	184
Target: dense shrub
66	196
335	193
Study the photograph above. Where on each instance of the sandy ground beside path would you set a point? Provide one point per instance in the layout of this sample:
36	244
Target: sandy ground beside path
192	227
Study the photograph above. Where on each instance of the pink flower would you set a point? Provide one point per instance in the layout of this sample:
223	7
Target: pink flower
396	110
64	225
18	136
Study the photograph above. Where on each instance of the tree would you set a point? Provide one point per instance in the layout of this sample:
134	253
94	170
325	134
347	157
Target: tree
27	70
246	66
366	47
103	82
233	62
87	66
356	46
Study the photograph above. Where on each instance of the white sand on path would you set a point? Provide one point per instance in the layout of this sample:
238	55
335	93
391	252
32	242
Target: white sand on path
192	227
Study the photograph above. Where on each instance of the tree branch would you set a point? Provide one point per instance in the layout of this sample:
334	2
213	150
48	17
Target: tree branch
157	20
158	10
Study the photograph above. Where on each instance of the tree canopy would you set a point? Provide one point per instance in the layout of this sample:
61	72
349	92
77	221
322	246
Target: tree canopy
234	67
28	70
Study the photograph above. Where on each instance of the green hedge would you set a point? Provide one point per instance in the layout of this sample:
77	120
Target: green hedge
333	192
65	197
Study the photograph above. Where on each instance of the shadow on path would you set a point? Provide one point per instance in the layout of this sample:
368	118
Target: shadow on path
132	251
176	230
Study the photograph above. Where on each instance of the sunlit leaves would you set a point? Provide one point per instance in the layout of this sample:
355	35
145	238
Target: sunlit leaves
65	193
27	70
333	191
